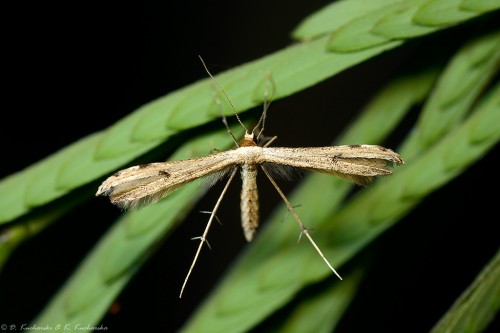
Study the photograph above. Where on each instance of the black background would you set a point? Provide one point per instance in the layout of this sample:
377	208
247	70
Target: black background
72	69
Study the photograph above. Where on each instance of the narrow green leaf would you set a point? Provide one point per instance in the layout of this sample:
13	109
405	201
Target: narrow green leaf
476	63
81	167
335	15
155	124
464	79
322	311
13	187
119	139
397	98
356	34
480	5
478	304
442	13
400	20
15	234
400	25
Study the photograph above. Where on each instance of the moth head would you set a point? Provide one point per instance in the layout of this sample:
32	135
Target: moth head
248	140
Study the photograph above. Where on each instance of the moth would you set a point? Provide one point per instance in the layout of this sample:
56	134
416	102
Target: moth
145	184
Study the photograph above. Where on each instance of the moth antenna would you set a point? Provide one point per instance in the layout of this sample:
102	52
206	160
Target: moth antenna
224	92
203	238
304	230
267	103
224	119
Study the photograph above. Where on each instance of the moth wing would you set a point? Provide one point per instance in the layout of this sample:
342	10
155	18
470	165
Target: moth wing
355	163
145	184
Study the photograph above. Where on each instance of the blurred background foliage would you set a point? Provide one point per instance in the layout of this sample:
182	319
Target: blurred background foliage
416	249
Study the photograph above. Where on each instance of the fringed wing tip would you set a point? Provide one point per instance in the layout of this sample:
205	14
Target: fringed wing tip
104	191
398	160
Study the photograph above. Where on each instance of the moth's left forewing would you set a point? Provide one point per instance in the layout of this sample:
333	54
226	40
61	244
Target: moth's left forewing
145	184
135	176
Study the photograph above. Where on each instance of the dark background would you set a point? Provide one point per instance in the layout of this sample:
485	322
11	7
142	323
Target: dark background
70	70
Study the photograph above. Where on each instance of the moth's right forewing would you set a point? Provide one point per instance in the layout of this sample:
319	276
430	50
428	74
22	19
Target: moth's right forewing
145	184
376	153
357	163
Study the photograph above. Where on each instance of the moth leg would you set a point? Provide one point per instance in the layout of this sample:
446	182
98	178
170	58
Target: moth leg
203	238
303	229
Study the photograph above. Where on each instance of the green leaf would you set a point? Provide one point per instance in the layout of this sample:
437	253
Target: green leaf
400	25
477	306
442	13
383	23
321	311
335	15
397	98
356	35
480	5
462	82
